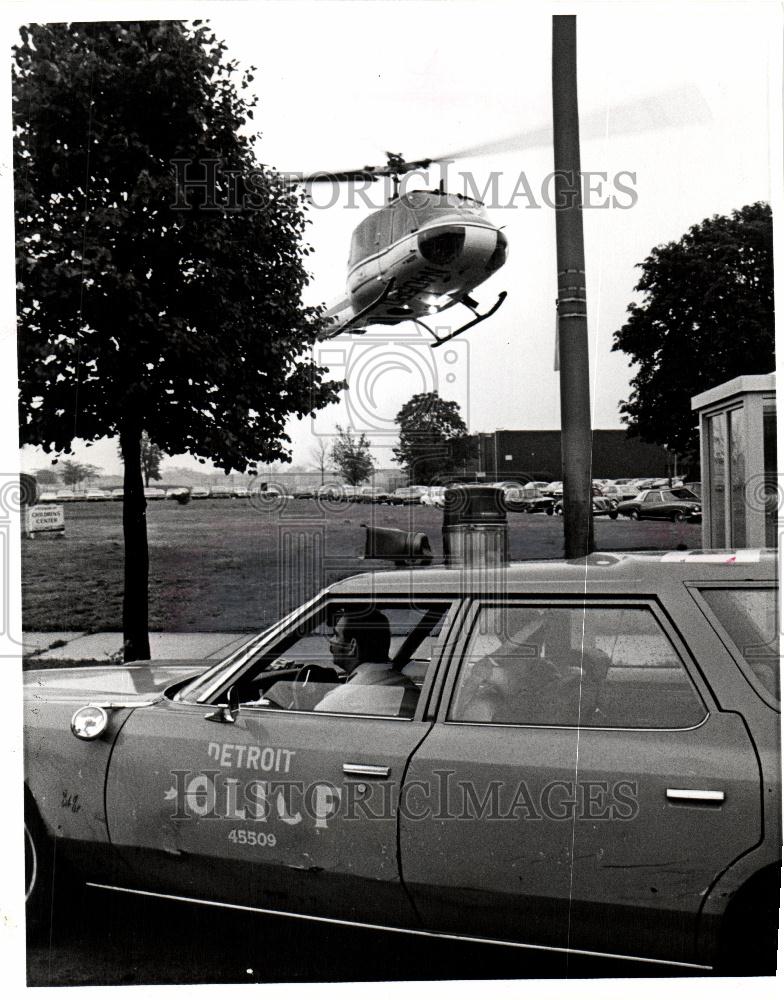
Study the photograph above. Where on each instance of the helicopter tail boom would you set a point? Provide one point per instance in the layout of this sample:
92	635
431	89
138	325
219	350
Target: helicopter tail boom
345	320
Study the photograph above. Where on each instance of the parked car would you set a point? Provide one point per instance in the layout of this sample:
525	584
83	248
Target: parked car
626	489
176	491
528	499
369	494
96	495
48	498
453	802
153	493
407	495
304	494
200	493
222	492
240	492
669	505
433	497
117	494
335	492
65	496
554	489
599	506
613	491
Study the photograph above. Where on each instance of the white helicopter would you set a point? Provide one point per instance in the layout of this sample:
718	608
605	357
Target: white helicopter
426	251
423	252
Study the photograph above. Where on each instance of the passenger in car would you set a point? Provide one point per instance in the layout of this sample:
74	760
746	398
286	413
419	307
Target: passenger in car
538	678
360	646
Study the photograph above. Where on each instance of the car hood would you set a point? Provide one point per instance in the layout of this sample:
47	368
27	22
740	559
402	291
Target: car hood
129	684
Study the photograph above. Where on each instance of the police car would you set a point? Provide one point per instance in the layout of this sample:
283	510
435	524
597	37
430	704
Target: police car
573	756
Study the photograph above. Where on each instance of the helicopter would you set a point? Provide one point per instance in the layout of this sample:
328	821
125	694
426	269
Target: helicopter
426	251
423	252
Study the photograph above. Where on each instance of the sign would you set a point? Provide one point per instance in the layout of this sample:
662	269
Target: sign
48	518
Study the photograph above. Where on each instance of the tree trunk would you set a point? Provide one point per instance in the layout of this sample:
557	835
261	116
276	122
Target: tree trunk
136	640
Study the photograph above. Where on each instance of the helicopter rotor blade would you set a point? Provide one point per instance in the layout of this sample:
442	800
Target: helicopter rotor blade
673	108
366	173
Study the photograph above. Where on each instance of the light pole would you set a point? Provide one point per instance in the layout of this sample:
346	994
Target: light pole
576	439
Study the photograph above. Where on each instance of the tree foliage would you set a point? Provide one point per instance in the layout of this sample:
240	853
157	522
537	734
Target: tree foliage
433	439
141	306
75	473
706	317
131	311
46	477
351	457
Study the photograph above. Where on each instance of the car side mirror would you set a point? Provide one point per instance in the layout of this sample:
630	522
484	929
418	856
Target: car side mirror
227	714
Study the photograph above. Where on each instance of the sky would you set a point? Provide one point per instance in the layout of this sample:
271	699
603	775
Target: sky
340	83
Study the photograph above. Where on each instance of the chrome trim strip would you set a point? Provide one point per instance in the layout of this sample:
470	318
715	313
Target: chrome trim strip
125	704
366	770
695	794
443	935
587	726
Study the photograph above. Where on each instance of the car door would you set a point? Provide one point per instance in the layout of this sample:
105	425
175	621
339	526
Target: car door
653	505
579	791
286	808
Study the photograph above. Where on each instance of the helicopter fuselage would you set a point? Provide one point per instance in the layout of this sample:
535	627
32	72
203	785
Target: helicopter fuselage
430	250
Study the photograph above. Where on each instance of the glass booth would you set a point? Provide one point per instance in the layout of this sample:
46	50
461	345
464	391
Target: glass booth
738	458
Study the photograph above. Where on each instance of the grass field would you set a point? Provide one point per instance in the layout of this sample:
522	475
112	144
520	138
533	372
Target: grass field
225	565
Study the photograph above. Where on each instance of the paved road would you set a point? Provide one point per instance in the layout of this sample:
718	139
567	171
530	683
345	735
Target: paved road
123	940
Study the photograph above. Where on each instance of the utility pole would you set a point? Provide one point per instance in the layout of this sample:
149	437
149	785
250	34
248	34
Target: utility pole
576	439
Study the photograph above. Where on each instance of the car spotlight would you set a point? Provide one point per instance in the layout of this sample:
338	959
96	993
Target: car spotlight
89	722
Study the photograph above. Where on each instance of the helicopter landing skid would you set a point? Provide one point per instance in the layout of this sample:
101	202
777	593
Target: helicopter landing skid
478	317
350	323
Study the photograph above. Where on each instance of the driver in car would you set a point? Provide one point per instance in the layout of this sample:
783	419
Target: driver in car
360	646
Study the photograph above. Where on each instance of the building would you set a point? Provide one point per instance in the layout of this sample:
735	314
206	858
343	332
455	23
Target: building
526	455
740	496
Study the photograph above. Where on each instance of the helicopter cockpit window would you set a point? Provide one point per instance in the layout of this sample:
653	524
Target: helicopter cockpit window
403	221
364	241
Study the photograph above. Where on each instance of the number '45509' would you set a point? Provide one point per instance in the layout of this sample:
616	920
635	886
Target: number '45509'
253	838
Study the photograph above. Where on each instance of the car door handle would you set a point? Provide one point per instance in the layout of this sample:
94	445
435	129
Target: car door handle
694	795
366	771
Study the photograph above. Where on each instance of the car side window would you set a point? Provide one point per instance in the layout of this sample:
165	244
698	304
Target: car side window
350	658
604	667
749	618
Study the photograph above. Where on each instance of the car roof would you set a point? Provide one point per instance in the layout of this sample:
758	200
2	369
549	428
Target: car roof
653	568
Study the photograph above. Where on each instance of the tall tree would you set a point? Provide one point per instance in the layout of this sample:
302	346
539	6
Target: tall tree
46	477
145	303
72	473
320	454
706	317
351	456
75	473
433	437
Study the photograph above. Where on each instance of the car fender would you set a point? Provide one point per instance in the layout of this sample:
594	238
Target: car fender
724	889
66	776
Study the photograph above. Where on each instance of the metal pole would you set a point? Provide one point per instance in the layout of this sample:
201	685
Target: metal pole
576	443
